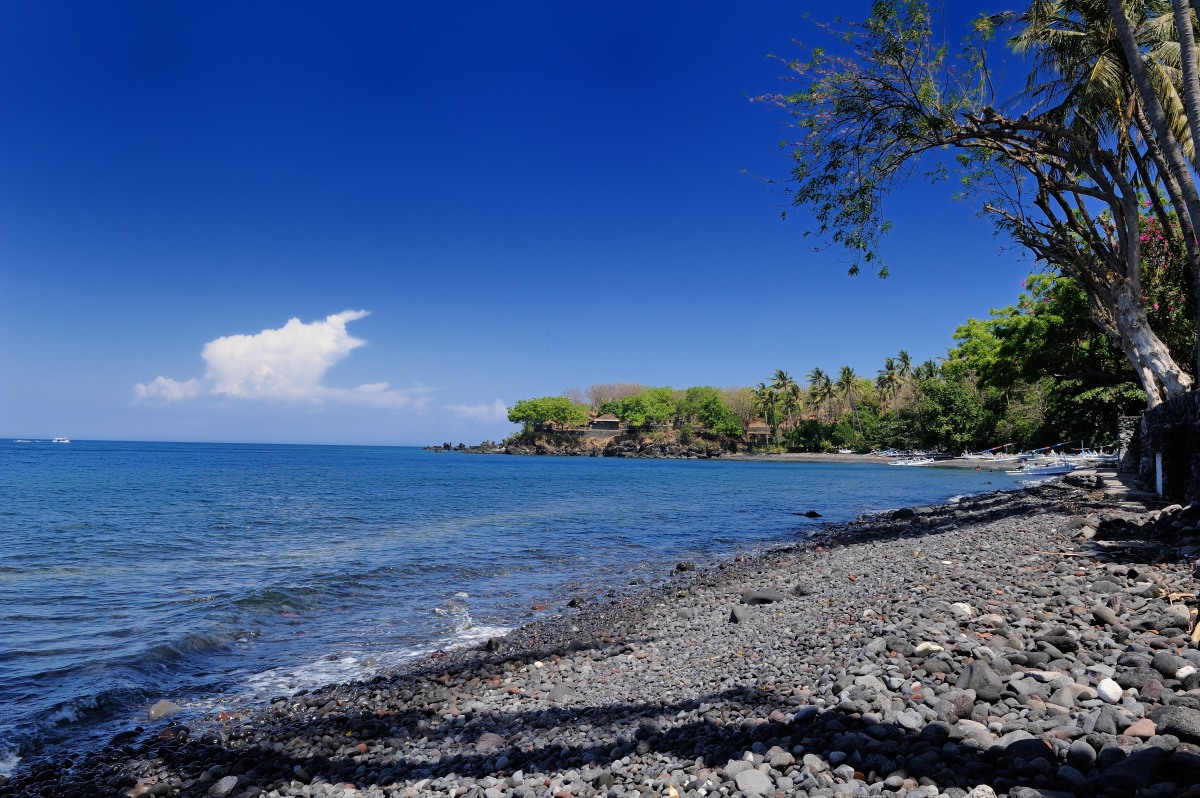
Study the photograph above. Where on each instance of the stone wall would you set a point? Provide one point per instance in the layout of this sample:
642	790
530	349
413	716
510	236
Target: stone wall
1168	448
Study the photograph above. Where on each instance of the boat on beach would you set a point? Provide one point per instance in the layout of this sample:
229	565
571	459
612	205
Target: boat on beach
1047	469
913	461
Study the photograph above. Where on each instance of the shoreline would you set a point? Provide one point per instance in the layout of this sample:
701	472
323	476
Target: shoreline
751	675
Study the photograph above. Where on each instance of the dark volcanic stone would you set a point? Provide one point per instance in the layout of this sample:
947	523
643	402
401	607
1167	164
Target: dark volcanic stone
980	677
762	596
1183	722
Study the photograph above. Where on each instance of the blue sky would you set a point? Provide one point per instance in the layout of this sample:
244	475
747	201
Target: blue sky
472	203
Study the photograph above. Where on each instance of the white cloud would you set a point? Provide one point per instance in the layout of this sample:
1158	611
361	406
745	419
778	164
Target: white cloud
496	411
166	389
288	363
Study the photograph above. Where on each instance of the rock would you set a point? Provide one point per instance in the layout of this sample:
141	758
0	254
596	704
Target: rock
1143	727
981	791
1109	691
754	782
223	787
739	615
1081	755
1030	749
1136	770
489	741
1104	615
560	693
1177	616
1168	664
812	514
963	610
1183	722
980	677
763	596
686	565
162	709
926	648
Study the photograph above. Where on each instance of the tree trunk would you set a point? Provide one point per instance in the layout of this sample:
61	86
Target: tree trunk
1160	375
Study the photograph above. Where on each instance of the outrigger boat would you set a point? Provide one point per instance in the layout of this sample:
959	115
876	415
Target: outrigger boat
1050	468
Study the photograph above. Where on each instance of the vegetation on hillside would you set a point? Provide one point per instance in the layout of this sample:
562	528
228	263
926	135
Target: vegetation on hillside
1032	374
1090	169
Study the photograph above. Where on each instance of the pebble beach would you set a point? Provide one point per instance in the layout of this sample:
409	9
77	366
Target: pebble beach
1033	643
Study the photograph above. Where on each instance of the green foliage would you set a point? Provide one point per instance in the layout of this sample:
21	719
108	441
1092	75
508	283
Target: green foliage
953	417
706	406
559	409
1048	371
651	406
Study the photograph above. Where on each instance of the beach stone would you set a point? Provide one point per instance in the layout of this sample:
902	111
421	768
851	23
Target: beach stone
963	610
223	787
1109	691
739	615
1183	722
1168	664
489	741
981	791
1136	770
1143	728
1081	755
1136	678
1104	615
980	677
763	596
162	709
1177	616
754	782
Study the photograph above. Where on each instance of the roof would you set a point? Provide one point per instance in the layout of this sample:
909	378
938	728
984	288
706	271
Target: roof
606	417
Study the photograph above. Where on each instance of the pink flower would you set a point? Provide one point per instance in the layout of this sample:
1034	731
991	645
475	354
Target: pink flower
1156	306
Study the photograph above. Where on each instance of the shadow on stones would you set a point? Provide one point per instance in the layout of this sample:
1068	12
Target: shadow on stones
414	738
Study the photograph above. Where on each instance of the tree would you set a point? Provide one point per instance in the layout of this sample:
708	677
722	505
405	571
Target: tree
559	409
650	406
953	417
1065	191
848	388
706	405
740	401
602	392
888	381
820	389
766	404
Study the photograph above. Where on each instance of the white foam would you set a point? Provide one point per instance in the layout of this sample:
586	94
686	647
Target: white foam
357	665
8	763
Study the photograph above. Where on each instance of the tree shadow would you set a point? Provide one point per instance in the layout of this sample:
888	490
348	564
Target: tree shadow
411	730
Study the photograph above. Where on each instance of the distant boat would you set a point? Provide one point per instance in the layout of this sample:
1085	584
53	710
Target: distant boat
845	451
60	440
913	461
1050	469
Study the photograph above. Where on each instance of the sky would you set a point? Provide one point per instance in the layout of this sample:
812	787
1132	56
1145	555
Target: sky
385	222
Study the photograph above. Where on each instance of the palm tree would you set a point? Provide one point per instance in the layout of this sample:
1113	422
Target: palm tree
784	387
766	402
820	389
847	386
888	381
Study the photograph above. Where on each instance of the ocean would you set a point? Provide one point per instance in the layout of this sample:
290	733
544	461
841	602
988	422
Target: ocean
221	575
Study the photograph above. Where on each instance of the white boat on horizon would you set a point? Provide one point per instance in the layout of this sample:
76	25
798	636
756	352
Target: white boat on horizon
60	440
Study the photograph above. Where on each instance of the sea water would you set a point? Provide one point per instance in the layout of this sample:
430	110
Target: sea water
217	576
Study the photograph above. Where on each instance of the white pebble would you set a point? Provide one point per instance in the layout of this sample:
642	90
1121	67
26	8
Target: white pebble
1109	691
